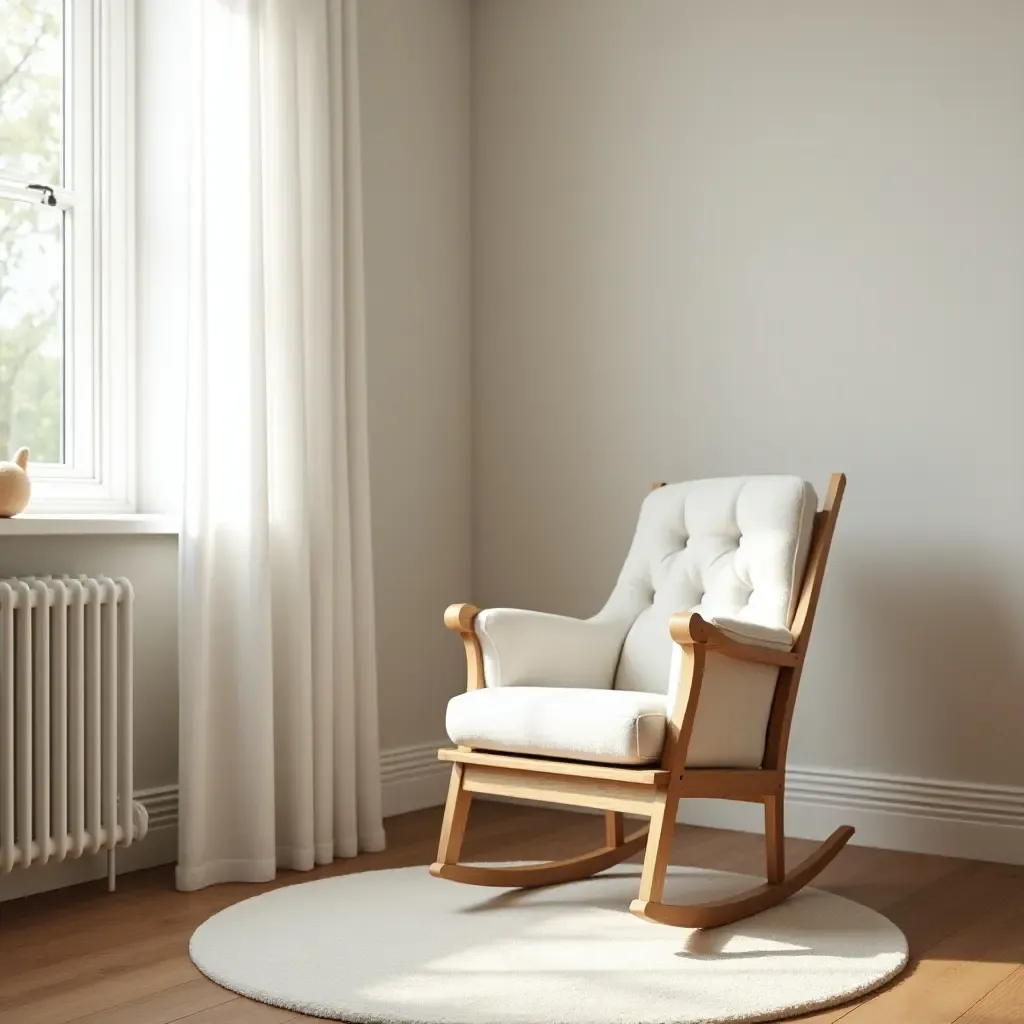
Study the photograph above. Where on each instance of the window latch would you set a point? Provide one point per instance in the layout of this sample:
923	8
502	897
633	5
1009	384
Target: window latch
46	195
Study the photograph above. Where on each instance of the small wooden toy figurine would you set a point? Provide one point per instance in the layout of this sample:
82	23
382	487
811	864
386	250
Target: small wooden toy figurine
15	487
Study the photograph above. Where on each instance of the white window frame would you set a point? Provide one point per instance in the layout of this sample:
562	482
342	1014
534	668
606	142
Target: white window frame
98	474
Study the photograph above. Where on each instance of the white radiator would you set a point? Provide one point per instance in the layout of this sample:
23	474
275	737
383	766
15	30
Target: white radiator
66	720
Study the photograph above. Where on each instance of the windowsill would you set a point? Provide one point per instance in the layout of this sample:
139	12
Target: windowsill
39	524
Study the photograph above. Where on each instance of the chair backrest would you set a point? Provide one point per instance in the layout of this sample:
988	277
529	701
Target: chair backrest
734	547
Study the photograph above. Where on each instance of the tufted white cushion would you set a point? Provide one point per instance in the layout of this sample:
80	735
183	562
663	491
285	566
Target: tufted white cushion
733	549
608	726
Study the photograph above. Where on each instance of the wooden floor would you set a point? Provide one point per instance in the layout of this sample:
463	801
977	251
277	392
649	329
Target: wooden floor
83	955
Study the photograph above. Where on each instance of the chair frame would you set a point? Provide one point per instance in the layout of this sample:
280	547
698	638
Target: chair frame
653	792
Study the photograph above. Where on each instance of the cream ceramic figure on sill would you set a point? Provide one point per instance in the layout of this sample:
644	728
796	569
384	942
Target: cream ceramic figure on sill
15	487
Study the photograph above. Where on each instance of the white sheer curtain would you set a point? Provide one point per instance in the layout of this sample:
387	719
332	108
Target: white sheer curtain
279	758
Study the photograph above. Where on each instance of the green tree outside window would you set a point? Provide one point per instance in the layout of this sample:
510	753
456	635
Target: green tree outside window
32	236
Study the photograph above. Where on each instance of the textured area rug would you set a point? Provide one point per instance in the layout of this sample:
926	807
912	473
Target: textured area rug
401	946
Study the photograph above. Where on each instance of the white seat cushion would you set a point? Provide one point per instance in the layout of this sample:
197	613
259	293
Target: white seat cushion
607	726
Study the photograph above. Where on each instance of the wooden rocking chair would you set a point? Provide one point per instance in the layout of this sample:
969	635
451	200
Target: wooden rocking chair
575	712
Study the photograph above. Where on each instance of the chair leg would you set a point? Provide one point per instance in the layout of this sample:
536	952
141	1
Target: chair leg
774	839
659	847
456	814
614	828
617	848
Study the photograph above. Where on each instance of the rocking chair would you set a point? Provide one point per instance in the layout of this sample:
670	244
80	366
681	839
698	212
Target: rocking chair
645	704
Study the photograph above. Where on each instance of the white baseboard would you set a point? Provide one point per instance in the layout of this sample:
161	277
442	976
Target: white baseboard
953	819
412	778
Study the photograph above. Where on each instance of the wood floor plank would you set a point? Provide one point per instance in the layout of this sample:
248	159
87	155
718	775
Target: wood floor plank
879	879
165	1007
121	961
945	906
954	975
961	946
243	1011
81	956
92	996
1004	1004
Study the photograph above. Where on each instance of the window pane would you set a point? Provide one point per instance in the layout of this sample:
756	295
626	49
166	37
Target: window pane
31	329
31	88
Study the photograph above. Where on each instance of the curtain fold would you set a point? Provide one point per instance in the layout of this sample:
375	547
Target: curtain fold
279	756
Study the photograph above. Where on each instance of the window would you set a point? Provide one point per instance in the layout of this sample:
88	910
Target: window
67	249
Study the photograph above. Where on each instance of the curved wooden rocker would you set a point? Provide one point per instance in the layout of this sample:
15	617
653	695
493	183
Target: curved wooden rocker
531	876
654	792
745	904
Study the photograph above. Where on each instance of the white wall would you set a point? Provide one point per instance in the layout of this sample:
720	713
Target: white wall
415	91
724	237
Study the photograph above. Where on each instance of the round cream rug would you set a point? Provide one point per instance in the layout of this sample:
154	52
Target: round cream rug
401	946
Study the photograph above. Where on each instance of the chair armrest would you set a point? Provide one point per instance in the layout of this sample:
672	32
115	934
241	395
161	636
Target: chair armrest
746	641
526	648
459	618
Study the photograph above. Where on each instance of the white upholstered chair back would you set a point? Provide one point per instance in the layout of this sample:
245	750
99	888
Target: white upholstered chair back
733	549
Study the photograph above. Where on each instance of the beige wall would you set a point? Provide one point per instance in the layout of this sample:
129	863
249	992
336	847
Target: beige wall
725	237
414	65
